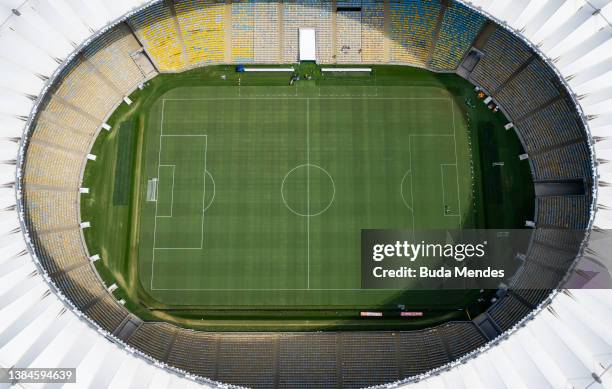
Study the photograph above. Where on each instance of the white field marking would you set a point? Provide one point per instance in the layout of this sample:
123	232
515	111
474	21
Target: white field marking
442	165
365	89
402	191
308	193
214	190
307	214
273	95
272	290
456	160
161	133
411	184
306	98
172	192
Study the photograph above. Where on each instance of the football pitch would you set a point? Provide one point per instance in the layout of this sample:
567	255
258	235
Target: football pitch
239	204
266	189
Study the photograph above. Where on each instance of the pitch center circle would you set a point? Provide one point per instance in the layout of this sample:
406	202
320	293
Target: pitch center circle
308	190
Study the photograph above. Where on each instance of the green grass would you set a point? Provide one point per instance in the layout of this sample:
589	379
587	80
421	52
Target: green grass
388	151
125	168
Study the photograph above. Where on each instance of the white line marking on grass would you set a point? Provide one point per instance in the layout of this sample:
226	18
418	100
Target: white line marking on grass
204	195
272	290
306	98
402	191
411	184
456	160
161	133
307	214
308	190
214	190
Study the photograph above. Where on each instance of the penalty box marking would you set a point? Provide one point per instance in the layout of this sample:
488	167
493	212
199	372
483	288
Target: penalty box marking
155	248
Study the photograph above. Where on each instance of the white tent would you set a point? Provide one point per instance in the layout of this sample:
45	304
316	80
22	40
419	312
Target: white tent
308	44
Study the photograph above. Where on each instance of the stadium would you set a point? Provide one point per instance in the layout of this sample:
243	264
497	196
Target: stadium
185	184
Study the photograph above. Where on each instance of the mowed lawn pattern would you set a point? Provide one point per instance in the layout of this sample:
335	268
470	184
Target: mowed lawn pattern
262	192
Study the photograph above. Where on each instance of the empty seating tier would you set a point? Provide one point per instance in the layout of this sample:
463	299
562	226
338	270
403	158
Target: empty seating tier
503	54
202	24
459	29
86	92
243	31
567	212
307	13
412	30
158	32
372	31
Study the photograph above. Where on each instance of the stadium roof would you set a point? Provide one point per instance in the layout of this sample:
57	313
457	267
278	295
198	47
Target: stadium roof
568	343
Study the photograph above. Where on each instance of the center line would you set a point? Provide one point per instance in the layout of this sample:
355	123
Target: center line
308	191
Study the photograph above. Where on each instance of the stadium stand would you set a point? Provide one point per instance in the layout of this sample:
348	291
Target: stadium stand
81	285
507	311
361	352
307	13
550	126
107	313
202	23
420	351
457	32
248	359
52	167
568	212
267	43
61	250
243	31
461	337
372	31
113	51
571	161
156	30
503	54
323	360
316	356
348	42
155	339
52	209
532	87
412	30
195	352
70	137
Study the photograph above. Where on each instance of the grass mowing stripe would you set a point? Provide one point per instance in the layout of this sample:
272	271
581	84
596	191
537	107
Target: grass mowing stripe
124	167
